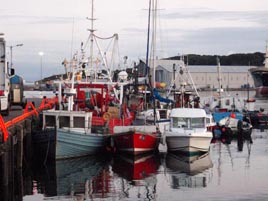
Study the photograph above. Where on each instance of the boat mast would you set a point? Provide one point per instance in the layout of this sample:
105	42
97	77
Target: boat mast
266	56
219	80
154	39
148	43
91	36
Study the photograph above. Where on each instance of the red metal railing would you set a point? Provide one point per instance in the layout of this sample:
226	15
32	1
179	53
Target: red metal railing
29	110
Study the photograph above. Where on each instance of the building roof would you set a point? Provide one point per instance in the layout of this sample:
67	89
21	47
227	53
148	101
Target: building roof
168	65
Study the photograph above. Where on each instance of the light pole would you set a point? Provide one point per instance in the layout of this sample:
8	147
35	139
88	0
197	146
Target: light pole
11	54
41	66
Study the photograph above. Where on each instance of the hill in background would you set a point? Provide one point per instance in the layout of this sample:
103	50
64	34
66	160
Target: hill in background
249	59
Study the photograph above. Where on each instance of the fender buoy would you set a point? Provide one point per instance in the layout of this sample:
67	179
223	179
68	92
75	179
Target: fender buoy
106	116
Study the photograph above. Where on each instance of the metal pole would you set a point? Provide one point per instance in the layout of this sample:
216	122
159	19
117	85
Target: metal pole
11	63
41	69
41	66
11	55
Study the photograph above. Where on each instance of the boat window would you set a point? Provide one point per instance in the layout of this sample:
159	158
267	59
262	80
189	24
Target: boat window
198	123
50	120
179	122
209	120
79	122
64	121
227	102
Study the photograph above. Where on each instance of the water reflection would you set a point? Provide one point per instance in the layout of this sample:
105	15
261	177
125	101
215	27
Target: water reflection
136	176
135	168
185	170
80	177
147	177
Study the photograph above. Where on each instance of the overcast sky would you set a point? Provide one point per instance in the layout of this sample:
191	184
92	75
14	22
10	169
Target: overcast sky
56	27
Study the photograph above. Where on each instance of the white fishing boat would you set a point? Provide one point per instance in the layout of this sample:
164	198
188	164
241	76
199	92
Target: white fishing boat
188	131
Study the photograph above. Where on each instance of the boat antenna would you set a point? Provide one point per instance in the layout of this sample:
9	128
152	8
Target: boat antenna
148	42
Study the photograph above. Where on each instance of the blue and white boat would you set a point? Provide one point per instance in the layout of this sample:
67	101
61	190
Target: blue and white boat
74	136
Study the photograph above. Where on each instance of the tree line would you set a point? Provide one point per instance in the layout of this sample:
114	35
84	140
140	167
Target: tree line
240	59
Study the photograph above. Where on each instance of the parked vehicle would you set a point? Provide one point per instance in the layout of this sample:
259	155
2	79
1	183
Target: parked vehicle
4	79
17	91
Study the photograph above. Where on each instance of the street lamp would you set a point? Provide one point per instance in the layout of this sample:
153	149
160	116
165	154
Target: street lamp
11	53
41	65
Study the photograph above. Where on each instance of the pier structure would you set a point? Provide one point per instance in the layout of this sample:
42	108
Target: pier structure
15	143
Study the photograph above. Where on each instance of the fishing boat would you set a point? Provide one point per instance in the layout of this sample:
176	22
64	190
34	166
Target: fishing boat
258	119
260	78
137	139
188	131
223	105
229	111
140	137
86	125
92	111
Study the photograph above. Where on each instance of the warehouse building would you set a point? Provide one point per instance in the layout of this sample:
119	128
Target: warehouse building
203	76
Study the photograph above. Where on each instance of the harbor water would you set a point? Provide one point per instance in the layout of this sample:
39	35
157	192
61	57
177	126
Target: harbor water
232	171
235	171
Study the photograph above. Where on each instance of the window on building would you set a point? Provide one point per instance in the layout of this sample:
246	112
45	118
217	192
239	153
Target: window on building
159	76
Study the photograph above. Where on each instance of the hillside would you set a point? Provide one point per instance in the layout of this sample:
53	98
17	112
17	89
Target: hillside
253	59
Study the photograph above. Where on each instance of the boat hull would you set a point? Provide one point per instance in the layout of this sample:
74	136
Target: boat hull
260	78
188	143
262	92
135	143
74	144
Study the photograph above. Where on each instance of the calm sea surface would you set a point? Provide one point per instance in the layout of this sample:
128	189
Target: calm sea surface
227	172
235	171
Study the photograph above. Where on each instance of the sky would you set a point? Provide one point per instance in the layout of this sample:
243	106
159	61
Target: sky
57	28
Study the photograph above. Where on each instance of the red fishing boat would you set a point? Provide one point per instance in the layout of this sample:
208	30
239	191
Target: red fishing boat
136	139
117	120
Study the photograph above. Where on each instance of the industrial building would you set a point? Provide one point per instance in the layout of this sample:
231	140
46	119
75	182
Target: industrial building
232	77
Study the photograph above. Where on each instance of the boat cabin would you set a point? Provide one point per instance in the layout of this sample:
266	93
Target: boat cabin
73	120
188	118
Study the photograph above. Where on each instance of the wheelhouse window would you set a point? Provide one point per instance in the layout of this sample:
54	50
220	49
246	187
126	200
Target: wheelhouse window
79	122
64	121
50	121
179	122
227	102
198	122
